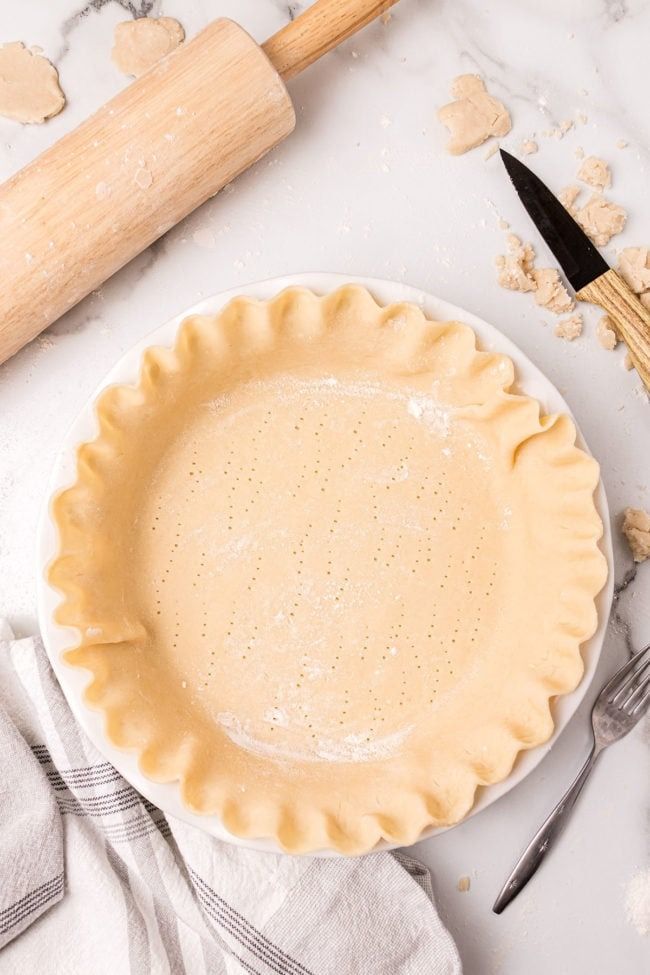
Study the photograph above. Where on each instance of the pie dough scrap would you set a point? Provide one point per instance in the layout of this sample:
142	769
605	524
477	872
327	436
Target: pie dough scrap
569	328
634	268
29	85
568	197
141	43
550	292
474	116
298	552
606	333
595	172
636	528
599	218
517	272
515	269
529	147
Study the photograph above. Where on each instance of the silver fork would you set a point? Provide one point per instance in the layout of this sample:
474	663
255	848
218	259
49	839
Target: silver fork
622	702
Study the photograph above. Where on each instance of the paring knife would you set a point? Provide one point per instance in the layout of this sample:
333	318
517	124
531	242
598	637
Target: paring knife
588	273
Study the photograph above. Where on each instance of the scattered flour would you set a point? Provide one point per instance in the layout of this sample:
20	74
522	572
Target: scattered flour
204	237
349	748
143	178
637	902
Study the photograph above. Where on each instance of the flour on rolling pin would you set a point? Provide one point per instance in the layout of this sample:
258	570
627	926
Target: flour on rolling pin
141	43
29	85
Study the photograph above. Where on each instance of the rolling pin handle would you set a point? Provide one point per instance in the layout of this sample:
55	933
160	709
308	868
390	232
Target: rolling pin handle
319	29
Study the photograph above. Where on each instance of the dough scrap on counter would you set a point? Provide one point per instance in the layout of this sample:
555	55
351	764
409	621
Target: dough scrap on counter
550	292
636	528
595	172
515	269
601	219
606	333
517	272
568	197
139	44
29	85
569	328
528	147
634	268
474	116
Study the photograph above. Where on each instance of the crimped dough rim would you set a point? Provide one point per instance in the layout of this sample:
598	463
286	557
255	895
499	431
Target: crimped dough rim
306	823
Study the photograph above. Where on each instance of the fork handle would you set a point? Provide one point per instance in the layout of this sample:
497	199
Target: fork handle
544	838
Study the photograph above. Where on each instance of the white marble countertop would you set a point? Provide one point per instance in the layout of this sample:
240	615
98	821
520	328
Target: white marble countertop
365	187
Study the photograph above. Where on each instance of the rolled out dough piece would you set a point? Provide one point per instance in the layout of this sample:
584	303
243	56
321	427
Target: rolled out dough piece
141	43
29	85
474	116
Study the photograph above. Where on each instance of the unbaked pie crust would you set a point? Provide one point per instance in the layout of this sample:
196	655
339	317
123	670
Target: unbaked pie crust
326	571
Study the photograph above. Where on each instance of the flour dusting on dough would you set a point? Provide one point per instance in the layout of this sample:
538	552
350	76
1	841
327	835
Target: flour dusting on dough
350	748
141	43
29	85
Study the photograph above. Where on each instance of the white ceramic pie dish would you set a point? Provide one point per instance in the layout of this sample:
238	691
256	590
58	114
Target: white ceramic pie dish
57	638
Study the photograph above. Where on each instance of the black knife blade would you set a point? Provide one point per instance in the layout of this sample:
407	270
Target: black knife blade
576	254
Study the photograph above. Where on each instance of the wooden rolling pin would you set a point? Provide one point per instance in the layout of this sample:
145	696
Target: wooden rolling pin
150	156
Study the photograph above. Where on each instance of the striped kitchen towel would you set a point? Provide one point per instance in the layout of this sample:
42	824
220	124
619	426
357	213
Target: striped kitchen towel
95	879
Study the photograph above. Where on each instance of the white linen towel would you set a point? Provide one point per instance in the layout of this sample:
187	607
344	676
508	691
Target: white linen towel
95	879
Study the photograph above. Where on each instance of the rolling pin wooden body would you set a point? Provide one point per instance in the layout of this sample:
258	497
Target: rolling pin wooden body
146	159
158	150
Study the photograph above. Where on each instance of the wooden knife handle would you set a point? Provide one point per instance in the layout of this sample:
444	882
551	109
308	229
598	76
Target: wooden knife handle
319	29
631	318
